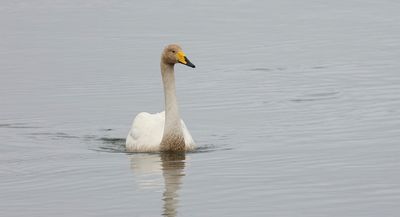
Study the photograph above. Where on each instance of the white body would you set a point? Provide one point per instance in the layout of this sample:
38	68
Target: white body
147	132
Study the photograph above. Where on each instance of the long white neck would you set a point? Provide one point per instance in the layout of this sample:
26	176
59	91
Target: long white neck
172	125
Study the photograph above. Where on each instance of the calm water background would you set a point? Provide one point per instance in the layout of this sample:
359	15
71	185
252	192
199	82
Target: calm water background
295	107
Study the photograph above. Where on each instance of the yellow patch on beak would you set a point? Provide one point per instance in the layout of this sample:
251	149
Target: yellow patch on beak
181	57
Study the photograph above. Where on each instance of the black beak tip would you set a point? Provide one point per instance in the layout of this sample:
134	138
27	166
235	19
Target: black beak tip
188	63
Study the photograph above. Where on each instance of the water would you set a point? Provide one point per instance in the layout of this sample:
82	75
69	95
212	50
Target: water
295	107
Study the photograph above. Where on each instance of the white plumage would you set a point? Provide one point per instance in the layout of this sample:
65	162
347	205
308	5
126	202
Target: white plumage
147	132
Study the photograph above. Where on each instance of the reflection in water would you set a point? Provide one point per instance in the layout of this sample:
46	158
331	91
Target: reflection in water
171	165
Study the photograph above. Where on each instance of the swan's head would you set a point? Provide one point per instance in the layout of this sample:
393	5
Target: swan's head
173	54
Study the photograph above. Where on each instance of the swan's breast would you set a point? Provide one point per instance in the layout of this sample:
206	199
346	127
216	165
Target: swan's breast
173	142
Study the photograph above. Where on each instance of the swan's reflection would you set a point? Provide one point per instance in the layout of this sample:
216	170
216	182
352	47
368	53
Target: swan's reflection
171	166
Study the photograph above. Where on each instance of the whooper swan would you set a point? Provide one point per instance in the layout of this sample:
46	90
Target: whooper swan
164	131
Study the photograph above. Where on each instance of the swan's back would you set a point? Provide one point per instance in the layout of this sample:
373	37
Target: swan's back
147	132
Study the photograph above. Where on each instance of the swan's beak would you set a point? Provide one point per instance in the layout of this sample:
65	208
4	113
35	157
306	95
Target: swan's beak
184	60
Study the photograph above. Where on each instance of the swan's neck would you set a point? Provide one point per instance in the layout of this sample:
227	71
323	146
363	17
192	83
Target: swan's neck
173	135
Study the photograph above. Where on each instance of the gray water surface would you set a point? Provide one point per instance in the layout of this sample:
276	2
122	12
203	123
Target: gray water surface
295	107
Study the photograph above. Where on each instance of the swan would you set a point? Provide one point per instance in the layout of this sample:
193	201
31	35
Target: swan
164	131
